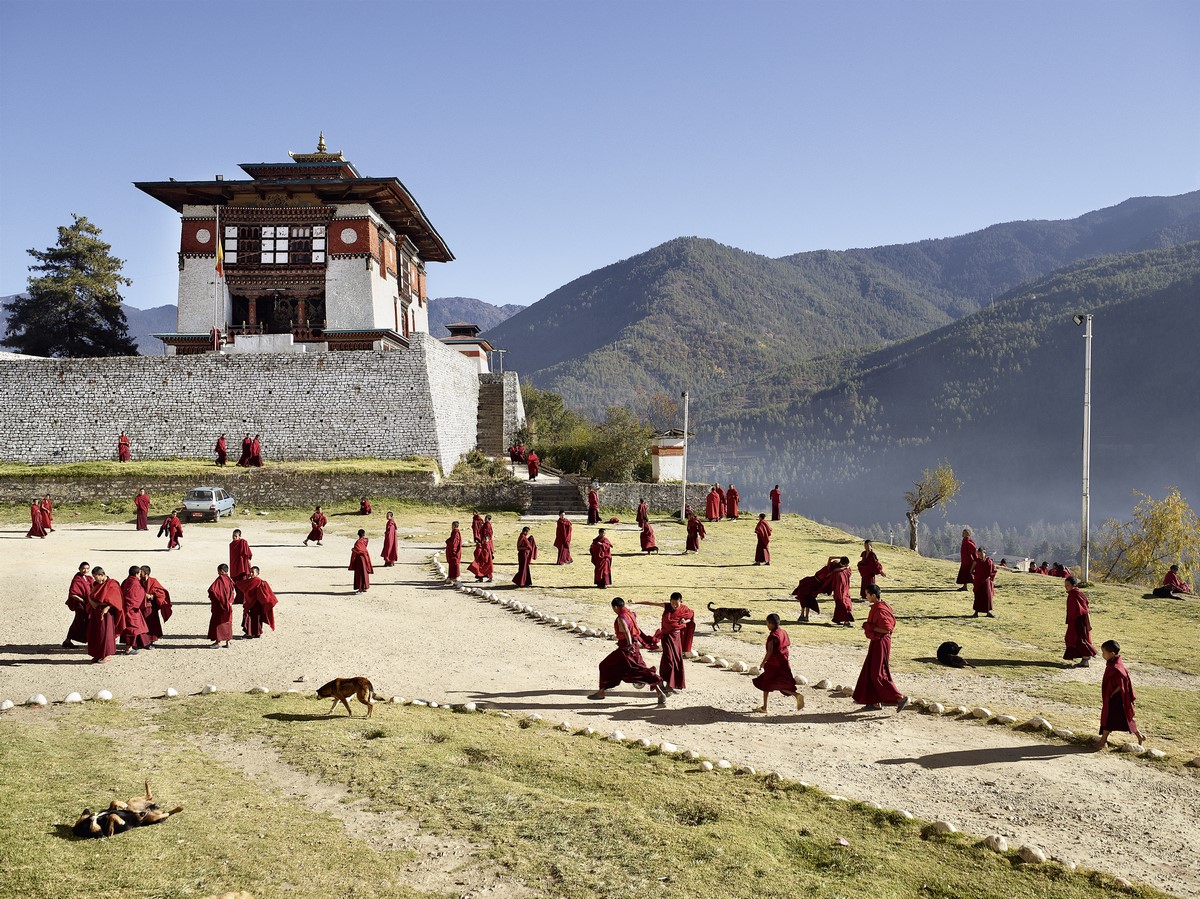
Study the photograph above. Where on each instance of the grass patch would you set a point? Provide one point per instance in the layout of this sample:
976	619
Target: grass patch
207	471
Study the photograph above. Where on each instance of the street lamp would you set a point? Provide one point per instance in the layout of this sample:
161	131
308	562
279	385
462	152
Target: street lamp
683	498
1086	320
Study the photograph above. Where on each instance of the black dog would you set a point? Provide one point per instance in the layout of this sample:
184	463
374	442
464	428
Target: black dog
122	816
733	616
948	654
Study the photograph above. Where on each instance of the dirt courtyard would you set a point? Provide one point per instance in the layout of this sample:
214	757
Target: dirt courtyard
415	637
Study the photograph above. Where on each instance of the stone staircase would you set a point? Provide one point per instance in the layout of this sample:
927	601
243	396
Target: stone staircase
549	498
489	422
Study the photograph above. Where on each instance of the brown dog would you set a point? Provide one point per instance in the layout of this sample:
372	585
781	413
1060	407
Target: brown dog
342	688
121	816
722	614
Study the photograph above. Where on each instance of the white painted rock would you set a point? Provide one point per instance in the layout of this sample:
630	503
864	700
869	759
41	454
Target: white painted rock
1037	723
397	700
981	713
957	710
668	748
36	699
534	717
1064	733
171	693
846	691
644	743
905	813
740	667
706	765
73	697
565	726
935	708
433	704
834	797
690	654
800	680
756	671
945	827
996	843
745	769
823	684
724	763
1156	754
691	755
1031	855
1006	719
617	736
707	659
837	688
470	707
1123	882
6	705
419	702
208	688
257	690
103	695
1133	748
588	731
1065	862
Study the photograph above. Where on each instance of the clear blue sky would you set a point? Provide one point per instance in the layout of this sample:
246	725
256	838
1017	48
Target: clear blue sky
545	140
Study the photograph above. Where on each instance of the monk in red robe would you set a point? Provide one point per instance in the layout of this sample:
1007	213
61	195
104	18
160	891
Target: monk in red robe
454	545
1173	585
562	539
389	553
77	601
533	464
247	452
810	588
477	527
157	607
317	530
256	452
593	504
967	551
762	532
643	513
260	604
776	667
220	600
1117	696
646	539
239	570
839	582
141	507
695	533
360	563
676	633
601	553
124	453
221	450
134	634
625	663
869	568
174	530
776	503
731	503
526	553
105	616
47	513
875	685
37	526
483	562
983	579
1079	625
364	506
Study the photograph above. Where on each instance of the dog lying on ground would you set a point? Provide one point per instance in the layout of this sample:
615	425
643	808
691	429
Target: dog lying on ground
948	654
342	688
121	816
733	616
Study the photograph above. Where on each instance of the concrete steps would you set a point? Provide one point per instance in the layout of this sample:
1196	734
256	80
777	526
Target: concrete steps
489	422
548	499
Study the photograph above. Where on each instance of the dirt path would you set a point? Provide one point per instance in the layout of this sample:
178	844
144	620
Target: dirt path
1097	810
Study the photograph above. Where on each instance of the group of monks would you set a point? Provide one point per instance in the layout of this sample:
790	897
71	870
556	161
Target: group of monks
104	609
41	517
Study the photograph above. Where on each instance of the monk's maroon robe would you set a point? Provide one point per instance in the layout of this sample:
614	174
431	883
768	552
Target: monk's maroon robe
777	668
141	506
811	587
134	633
247	451
157	608
220	601
123	451
105	619
1175	582
643	514
77	600
712	505
875	684
601	553
1116	711
454	555
240	555
983	578
37	524
695	533
676	634
360	564
1079	628
533	464
721	507
47	508
255	453
776	504
839	582
260	606
221	451
625	663
364	507
731	503
483	562
966	560
526	553
389	553
647	538
869	568
318	522
476	528
593	504
562	541
762	551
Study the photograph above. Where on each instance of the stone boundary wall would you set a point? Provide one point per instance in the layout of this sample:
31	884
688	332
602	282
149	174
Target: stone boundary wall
265	488
422	401
514	406
659	497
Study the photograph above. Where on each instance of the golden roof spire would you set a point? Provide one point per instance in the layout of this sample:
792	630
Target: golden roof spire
321	143
322	154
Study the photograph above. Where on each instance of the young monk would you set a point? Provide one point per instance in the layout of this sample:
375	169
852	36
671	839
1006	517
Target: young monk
526	553
317	531
454	553
360	563
695	533
482	564
776	667
37	522
731	503
220	598
47	512
593	506
141	506
967	551
646	538
776	503
260	604
712	504
643	513
676	633
134	633
839	582
174	531
983	580
1116	711
601	553
389	553
1079	625
810	588
105	616
221	450
869	568
875	685
1173	585
477	526
562	539
157	607
486	533
762	532
124	453
364	506
625	663
77	599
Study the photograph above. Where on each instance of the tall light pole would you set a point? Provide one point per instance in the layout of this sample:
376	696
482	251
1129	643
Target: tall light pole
683	498
1084	548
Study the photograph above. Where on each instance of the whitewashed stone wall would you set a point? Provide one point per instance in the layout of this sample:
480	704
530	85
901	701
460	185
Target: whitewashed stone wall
421	401
347	283
198	297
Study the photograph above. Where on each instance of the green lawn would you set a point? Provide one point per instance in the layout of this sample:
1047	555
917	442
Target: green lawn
207	470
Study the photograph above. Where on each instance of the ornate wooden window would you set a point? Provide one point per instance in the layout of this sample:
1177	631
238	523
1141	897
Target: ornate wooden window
274	244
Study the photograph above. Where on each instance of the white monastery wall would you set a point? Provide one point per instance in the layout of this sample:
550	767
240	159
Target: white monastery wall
383	299
345	286
197	292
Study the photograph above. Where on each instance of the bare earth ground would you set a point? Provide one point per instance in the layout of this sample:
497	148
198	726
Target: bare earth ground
408	632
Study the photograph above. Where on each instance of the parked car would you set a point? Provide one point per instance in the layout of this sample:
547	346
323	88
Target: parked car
207	502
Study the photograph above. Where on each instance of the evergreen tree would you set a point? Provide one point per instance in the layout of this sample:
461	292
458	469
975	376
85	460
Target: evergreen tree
74	307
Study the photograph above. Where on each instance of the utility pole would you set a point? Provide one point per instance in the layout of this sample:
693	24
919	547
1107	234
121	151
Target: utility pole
683	498
1085	541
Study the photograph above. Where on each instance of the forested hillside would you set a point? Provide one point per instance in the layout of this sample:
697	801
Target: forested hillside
997	394
444	310
695	314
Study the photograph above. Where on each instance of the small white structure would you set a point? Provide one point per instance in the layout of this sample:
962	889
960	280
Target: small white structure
666	456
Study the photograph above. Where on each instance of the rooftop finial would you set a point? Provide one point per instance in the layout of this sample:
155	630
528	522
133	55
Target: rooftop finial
321	143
